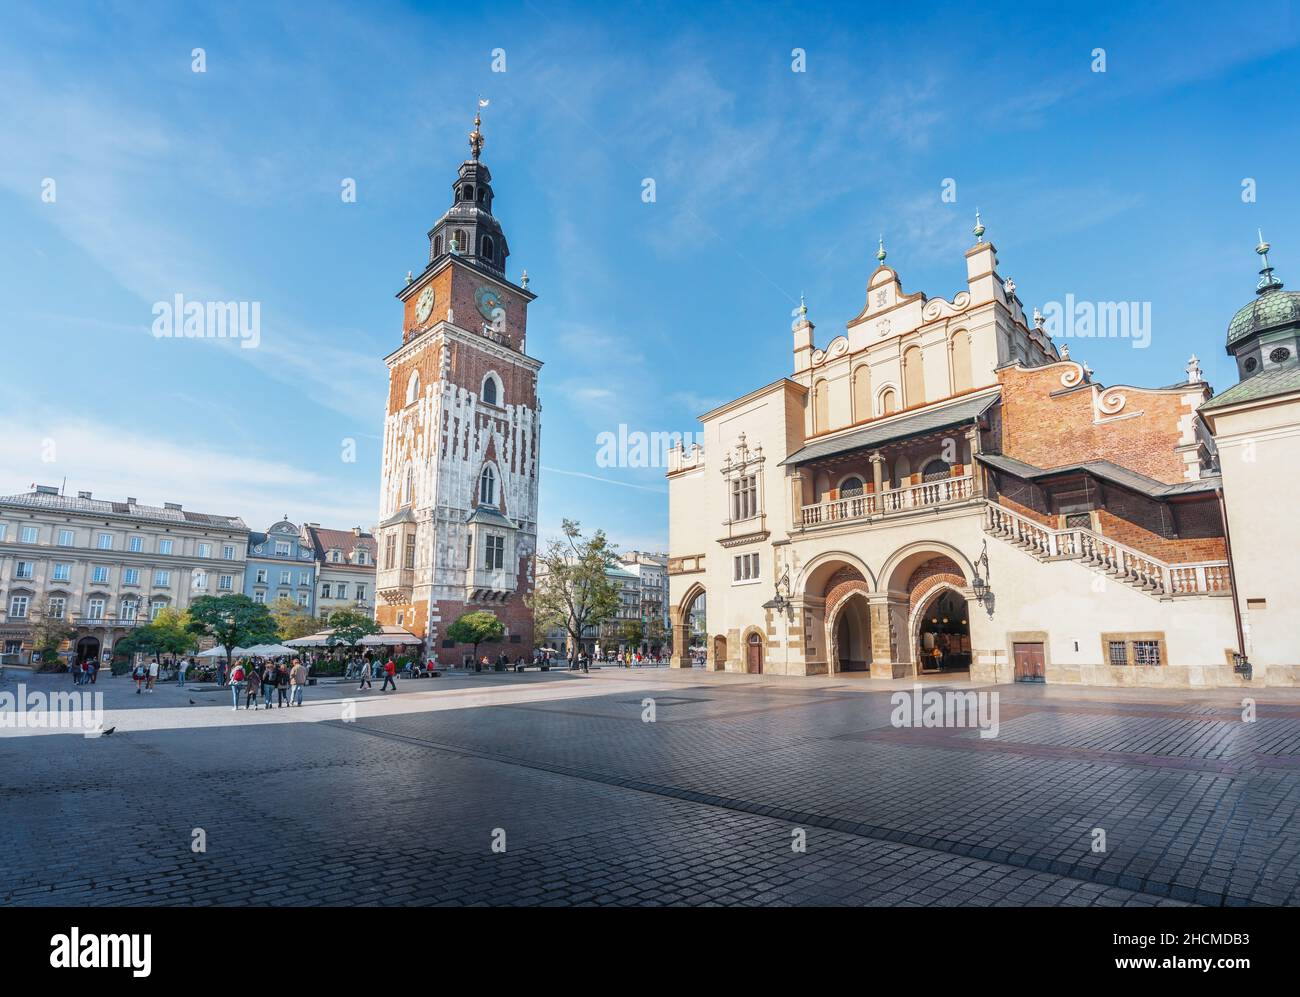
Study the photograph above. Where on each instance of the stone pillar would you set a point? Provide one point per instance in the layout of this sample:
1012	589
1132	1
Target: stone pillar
976	469
878	471
890	648
681	656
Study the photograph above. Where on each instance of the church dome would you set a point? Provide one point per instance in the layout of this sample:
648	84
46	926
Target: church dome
1273	308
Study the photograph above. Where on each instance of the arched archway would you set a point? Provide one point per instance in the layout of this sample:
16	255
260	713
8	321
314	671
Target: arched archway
941	630
87	649
824	581
848	633
689	627
754	652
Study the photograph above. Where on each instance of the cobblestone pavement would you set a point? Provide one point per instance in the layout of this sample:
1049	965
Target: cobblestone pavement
401	805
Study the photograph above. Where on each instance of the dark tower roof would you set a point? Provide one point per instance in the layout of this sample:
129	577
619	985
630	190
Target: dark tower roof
468	228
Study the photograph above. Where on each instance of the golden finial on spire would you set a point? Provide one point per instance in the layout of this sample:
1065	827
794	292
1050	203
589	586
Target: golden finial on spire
476	136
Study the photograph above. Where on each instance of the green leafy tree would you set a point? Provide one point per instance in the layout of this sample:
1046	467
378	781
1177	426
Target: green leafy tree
49	632
232	621
349	626
291	620
633	631
173	632
573	590
479	627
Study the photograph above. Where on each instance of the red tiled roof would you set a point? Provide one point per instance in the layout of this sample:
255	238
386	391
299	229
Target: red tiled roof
324	541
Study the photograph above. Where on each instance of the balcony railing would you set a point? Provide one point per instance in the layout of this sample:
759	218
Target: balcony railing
862	505
1110	556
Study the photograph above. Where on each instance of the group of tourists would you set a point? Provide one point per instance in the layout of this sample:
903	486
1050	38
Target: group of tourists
84	672
262	683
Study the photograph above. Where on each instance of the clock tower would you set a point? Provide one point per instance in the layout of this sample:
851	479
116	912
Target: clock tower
458	499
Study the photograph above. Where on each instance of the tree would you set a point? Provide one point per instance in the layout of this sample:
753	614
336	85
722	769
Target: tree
169	632
573	589
479	627
633	632
291	620
48	632
232	621
349	626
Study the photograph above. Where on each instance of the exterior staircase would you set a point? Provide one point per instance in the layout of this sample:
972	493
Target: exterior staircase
1157	578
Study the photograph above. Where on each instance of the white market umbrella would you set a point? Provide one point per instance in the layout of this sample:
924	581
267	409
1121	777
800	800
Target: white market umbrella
220	652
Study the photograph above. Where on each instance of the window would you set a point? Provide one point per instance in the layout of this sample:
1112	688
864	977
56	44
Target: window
1146	652
29	534
228	552
126	612
487	487
494	552
95	609
99	574
935	470
162	579
286	577
410	486
325	590
57	607
390	551
282	548
744	497
409	561
1078	521
261	576
361	592
342	591
413	387
155	608
462	240
18	607
25	569
205	550
200	579
304	578
135	544
336	556
104	541
1117	651
259	596
226	583
363	557
851	486
467	192
888	402
66	537
4	531
489	392
62	572
746	567
164	546
302	598
131	576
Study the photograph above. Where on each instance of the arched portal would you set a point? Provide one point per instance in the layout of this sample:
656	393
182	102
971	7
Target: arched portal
87	649
943	632
754	653
690	630
849	635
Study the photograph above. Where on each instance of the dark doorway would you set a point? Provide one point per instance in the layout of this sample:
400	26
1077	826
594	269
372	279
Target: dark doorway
943	640
754	655
87	649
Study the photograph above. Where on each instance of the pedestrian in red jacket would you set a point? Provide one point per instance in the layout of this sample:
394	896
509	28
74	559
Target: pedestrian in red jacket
390	676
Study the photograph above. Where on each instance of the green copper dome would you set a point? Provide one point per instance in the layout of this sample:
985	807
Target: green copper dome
1272	309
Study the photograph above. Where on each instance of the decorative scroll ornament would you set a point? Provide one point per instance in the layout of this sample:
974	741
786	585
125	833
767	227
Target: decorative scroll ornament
1110	402
937	307
837	348
1072	375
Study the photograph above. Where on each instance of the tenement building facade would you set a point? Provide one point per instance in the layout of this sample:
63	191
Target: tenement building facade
104	567
942	489
458	502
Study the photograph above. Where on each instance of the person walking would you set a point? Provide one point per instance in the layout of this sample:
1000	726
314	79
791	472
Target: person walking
365	675
253	689
184	666
221	676
74	669
390	675
153	674
281	686
92	666
268	683
298	680
236	682
138	673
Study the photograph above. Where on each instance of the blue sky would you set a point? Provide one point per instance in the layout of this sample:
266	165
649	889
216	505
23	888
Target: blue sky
1122	185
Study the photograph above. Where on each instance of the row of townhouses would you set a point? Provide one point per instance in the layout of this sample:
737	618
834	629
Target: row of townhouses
106	567
641	621
941	487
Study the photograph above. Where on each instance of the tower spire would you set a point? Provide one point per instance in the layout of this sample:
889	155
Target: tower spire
476	136
1267	282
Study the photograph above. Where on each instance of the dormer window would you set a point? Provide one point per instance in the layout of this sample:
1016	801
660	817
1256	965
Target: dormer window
487	487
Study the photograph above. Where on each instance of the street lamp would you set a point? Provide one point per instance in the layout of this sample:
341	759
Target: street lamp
979	583
780	601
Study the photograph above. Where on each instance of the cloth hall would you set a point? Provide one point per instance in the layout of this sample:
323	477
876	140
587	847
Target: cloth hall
940	488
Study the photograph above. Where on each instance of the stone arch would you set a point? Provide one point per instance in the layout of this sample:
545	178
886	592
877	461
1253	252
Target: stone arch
679	617
898	568
718	653
819	570
927	594
848	629
753	662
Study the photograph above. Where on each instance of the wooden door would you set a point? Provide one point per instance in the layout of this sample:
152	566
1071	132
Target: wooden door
754	655
1029	662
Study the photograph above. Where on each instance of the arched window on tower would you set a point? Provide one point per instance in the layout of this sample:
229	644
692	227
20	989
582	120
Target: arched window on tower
462	240
489	249
888	401
490	392
487	487
413	387
409	487
437	245
482	192
467	192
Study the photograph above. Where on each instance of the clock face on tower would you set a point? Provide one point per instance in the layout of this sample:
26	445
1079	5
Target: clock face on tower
489	303
424	305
